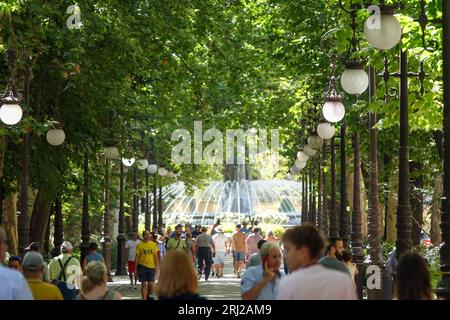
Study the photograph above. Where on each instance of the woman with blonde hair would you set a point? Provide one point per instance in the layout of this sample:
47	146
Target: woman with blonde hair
93	284
177	278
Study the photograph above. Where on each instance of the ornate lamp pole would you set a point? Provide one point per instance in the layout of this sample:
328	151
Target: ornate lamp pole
443	288
85	231
120	269
343	214
334	218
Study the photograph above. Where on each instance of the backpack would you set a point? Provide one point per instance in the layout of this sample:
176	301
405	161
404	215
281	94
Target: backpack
67	293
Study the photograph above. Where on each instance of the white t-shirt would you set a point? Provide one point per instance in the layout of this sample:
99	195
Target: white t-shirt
131	246
317	283
219	242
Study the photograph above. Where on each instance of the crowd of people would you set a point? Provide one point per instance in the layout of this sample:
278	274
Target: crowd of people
302	264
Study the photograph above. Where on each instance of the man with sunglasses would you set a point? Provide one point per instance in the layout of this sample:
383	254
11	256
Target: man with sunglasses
13	284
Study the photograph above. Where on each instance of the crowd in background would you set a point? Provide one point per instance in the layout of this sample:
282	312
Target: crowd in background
302	264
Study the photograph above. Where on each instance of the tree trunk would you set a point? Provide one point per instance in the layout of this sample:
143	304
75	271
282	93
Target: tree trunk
39	218
436	238
392	208
362	197
10	222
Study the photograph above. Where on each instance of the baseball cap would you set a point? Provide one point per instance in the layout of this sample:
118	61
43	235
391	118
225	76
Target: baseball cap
34	246
32	261
66	245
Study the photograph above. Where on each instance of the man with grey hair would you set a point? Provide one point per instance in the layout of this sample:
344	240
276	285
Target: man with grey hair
13	284
33	267
261	282
67	269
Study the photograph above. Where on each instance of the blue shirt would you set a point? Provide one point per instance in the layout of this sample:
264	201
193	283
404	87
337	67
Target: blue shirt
252	276
94	257
13	285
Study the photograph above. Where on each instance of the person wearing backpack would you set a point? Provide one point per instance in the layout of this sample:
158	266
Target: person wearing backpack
65	271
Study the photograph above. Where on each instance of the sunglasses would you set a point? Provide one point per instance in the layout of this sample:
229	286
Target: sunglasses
14	258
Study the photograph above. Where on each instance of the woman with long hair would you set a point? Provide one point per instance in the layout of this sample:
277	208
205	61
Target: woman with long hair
93	284
413	280
177	278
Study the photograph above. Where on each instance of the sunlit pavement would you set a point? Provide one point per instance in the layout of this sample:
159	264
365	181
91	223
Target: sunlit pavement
225	288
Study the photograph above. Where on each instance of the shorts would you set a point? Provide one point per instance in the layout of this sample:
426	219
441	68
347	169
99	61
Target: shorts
239	256
219	258
146	274
131	266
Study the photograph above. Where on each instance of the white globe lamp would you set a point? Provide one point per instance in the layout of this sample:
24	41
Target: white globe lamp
302	156
382	30
56	137
162	171
111	153
152	168
354	80
10	114
310	152
128	162
326	130
333	109
300	164
315	142
142	164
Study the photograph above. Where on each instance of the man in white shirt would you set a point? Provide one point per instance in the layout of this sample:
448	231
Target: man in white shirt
309	280
220	243
13	285
130	247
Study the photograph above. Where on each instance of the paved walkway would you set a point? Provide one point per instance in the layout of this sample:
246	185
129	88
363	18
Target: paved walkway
226	288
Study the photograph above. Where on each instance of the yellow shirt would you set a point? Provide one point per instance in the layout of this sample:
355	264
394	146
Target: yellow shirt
44	291
146	251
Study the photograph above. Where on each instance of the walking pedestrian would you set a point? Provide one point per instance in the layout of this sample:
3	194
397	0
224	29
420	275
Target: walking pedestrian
262	282
252	242
271	237
36	247
413	281
308	279
33	267
176	243
220	244
331	261
255	259
147	264
238	246
13	284
204	246
177	280
14	262
92	255
130	247
93	284
65	271
351	266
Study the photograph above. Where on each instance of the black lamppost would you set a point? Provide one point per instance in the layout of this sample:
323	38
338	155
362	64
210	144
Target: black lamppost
85	230
120	268
343	214
111	153
443	288
334	218
135	209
